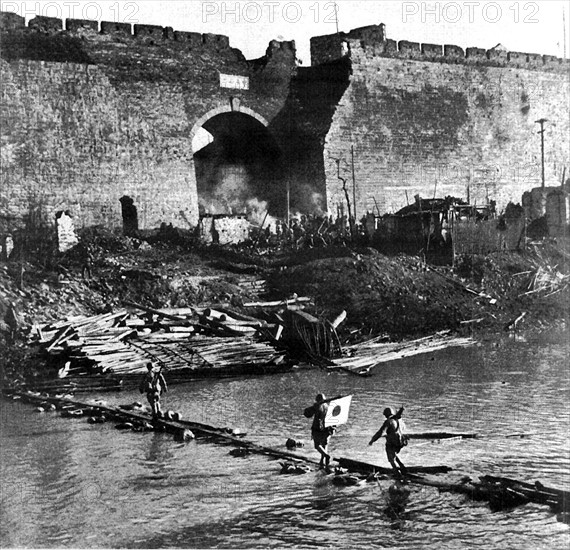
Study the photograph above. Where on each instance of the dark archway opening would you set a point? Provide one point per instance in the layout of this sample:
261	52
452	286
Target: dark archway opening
130	216
238	167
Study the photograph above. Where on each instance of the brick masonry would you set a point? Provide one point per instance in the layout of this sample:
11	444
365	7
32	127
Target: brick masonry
425	123
90	117
94	113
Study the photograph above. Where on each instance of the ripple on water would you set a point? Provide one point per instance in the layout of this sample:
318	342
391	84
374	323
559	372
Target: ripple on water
69	484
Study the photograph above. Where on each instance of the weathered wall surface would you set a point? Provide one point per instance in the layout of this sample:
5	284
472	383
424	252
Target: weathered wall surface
88	117
94	113
305	121
424	122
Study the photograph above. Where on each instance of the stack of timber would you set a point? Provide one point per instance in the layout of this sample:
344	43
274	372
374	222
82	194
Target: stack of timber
185	342
360	358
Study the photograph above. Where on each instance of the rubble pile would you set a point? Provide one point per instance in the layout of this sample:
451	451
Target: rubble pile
146	300
402	297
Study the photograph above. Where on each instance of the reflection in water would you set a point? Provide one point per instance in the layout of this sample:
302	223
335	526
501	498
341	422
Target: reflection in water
323	492
101	487
158	455
398	495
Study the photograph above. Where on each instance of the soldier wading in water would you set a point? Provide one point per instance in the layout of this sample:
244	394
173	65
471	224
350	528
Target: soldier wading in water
319	432
395	438
153	384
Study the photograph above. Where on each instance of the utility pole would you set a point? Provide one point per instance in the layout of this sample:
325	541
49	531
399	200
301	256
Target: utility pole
288	200
353	185
564	29
541	132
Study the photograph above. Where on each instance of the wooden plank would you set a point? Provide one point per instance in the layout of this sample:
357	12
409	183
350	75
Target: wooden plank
182	320
60	335
499	492
441	435
365	467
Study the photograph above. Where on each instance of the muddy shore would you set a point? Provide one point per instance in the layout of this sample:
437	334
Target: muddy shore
397	296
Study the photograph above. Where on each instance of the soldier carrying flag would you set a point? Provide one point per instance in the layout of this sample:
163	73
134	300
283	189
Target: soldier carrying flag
326	414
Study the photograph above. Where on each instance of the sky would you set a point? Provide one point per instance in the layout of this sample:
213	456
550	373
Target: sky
533	27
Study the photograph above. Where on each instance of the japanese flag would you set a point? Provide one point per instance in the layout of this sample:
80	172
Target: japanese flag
338	411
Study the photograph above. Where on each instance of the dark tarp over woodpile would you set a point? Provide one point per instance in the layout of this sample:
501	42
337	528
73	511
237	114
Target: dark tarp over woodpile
315	337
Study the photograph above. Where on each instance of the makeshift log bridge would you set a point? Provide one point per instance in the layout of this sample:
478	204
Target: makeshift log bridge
501	493
135	417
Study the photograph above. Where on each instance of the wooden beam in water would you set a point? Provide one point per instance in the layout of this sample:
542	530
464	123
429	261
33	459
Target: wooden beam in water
171	426
499	492
441	435
366	468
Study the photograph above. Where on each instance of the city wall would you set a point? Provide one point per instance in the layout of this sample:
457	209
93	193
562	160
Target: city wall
96	112
434	120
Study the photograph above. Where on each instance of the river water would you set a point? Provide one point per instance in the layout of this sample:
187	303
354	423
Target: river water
66	483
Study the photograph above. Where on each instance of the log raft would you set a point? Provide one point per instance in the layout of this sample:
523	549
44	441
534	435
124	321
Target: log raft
500	492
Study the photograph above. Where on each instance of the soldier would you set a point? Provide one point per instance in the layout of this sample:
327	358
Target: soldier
319	432
395	438
153	384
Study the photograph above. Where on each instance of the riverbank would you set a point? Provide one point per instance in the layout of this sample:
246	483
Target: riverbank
398	297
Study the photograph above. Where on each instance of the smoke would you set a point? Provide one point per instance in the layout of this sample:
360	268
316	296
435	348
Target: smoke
309	201
257	213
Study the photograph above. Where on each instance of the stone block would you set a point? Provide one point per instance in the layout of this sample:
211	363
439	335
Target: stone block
450	50
535	59
219	41
517	57
476	54
497	56
11	21
432	50
48	25
73	25
409	49
370	35
150	31
110	27
194	39
390	46
552	60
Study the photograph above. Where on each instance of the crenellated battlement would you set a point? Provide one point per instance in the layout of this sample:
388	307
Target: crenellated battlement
151	34
373	41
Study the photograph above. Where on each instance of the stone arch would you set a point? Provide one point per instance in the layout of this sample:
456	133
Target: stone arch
234	107
236	161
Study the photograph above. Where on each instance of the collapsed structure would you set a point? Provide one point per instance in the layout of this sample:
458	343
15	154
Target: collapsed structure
151	127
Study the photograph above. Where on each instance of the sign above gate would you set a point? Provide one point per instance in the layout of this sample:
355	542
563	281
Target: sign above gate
234	81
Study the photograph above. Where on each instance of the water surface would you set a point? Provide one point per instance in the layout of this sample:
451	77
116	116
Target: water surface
66	483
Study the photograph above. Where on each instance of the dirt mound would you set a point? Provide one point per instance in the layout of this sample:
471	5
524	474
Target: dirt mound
402	297
379	294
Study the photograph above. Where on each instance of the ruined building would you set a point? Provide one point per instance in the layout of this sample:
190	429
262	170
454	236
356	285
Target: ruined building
150	126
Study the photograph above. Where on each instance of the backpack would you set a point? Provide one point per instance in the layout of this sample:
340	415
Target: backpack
151	383
401	439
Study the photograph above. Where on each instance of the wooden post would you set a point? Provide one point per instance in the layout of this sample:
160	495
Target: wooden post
541	132
288	201
353	185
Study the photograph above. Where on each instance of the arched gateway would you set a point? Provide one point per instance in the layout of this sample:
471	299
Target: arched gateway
236	162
